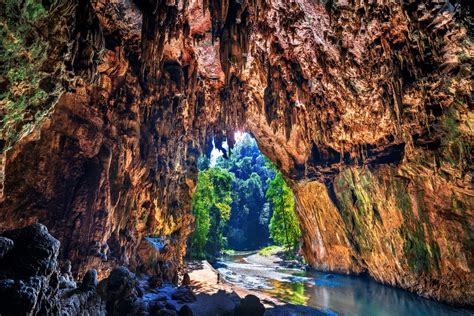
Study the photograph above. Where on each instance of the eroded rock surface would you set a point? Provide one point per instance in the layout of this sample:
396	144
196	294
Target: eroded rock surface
365	107
31	282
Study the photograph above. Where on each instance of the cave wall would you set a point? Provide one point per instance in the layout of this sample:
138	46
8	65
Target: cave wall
404	224
374	138
365	107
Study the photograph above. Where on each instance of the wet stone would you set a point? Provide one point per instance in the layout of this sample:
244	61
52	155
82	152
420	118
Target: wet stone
89	282
5	246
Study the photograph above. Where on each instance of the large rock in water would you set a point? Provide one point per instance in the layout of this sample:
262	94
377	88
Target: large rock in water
28	273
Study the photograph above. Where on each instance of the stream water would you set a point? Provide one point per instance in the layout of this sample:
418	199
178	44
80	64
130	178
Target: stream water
338	294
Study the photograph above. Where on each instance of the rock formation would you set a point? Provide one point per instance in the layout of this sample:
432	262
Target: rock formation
31	281
365	106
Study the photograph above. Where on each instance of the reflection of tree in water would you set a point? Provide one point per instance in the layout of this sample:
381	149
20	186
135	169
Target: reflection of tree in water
291	292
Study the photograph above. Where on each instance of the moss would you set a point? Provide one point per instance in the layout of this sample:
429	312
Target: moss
461	208
422	253
29	10
435	254
455	148
354	192
402	199
270	250
22	54
416	250
33	10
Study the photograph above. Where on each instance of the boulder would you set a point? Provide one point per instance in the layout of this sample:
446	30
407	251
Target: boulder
170	306
5	246
31	282
155	281
156	306
119	291
184	295
167	312
185	311
89	281
66	279
186	280
250	306
28	272
34	253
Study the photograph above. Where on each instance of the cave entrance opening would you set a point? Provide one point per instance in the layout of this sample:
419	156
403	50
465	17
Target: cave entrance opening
241	203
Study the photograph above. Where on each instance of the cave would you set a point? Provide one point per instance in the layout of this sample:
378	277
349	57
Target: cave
106	107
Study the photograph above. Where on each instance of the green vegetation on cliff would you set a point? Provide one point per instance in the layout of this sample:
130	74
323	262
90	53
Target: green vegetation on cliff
26	89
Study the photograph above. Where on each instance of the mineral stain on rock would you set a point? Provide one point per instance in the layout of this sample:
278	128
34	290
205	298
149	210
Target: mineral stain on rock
365	107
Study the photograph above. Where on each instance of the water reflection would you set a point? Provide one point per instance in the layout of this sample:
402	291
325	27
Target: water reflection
291	292
345	295
350	295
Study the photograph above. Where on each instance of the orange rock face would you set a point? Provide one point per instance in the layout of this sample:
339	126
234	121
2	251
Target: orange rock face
364	107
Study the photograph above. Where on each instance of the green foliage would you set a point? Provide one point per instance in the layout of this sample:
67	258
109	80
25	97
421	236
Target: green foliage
402	199
22	53
232	209
284	224
247	228
201	204
211	209
34	10
270	250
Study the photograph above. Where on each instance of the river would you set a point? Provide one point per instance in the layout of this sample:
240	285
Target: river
338	294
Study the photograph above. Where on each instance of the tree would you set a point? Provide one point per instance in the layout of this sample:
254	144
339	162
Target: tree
211	210
236	203
247	227
201	205
220	210
284	224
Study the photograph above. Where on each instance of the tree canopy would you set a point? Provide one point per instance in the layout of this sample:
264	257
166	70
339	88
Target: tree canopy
240	203
284	225
211	209
251	212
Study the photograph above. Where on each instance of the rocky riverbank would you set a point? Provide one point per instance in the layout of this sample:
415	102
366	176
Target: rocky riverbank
34	282
222	298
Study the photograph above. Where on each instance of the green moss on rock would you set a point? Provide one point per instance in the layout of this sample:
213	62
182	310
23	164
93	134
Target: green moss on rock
26	59
416	250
